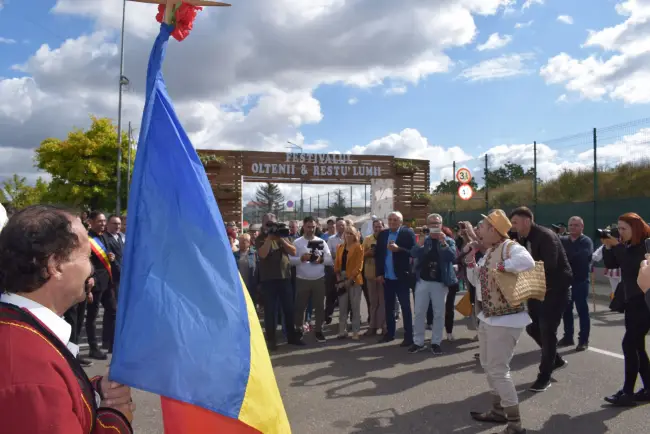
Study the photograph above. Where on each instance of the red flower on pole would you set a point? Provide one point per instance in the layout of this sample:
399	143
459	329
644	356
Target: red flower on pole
183	19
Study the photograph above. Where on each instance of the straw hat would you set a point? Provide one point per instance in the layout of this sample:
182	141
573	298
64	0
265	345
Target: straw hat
499	221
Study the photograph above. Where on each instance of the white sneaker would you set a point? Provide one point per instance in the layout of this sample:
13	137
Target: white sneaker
450	337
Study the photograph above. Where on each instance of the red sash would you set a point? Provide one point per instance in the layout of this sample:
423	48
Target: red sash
101	252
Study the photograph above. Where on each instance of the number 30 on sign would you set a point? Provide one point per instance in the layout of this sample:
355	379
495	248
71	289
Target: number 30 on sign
463	175
465	192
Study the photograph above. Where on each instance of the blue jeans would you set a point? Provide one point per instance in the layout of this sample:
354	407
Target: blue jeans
400	289
310	309
426	294
278	297
579	296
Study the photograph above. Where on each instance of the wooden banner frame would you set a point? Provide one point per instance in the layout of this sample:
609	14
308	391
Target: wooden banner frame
228	170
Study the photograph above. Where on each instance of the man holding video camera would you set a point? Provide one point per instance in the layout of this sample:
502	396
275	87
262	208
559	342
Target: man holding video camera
311	257
273	248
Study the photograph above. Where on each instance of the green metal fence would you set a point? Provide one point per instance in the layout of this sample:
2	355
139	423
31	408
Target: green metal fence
597	175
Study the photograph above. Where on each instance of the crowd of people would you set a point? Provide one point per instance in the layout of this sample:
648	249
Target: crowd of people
54	265
290	274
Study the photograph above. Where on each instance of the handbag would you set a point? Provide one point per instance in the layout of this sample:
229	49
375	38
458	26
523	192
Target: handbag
519	287
464	305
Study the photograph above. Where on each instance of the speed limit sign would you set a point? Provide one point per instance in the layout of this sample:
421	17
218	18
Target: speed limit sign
463	175
465	192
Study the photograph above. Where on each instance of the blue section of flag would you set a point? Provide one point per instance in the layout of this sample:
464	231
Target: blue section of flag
182	324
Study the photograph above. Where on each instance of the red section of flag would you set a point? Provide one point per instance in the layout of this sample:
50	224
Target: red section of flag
182	418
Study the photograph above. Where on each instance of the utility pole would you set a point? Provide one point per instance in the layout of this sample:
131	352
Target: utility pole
122	82
128	167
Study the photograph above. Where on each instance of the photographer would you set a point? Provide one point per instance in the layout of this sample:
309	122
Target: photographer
273	249
628	253
435	273
312	254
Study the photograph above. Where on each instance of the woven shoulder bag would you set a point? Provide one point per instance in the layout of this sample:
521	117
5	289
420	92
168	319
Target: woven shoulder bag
519	287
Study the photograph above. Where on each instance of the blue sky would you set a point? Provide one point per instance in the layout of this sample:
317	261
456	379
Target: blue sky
548	95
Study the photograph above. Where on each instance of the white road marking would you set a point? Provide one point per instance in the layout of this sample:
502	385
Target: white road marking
607	353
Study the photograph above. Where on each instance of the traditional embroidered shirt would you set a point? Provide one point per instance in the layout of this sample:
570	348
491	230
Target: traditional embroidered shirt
500	314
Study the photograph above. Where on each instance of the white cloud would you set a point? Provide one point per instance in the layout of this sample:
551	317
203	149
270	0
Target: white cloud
7	40
254	67
524	24
528	3
494	42
566	19
410	143
396	90
624	75
353	101
18	161
628	149
562	98
507	65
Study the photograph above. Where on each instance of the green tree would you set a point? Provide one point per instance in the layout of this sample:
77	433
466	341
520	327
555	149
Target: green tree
451	187
338	207
17	192
507	174
84	166
269	197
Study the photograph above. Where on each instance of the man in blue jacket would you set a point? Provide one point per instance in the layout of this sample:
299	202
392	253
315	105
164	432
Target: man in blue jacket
393	267
434	270
579	248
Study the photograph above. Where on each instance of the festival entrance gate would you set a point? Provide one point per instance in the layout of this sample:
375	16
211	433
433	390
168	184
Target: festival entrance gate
396	184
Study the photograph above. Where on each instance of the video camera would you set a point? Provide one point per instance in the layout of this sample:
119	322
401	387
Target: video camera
608	232
316	248
278	229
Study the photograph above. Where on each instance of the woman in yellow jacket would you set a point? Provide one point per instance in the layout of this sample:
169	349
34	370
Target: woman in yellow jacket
349	262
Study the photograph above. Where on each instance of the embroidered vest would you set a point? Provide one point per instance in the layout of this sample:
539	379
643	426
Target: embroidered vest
493	301
13	314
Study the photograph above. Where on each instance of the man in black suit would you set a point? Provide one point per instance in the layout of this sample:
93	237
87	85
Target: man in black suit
102	259
544	245
393	269
116	247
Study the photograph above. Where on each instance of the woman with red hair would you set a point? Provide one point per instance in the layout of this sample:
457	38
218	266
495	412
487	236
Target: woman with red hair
627	253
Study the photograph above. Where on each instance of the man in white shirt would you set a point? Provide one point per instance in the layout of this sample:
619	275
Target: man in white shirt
312	255
501	324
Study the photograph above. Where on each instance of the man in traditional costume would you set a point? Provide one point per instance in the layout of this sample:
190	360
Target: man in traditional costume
501	324
44	265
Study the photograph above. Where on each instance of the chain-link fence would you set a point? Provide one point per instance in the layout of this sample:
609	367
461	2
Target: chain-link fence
597	174
338	200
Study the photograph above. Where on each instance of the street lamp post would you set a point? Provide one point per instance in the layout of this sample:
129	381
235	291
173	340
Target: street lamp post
293	145
123	82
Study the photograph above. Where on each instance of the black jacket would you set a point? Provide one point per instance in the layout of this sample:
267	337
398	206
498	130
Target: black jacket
116	246
402	259
628	258
545	246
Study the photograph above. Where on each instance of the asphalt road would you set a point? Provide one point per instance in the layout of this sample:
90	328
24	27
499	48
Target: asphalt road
364	387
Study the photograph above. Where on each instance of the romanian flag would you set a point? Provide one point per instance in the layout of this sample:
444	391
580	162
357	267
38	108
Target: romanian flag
186	327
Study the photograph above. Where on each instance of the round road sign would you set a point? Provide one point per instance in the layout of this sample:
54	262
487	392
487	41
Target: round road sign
463	175
290	204
465	192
